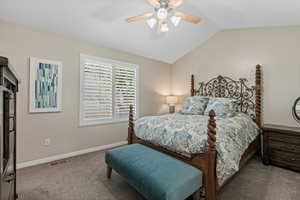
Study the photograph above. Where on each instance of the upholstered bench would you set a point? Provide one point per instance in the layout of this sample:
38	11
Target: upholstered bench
153	174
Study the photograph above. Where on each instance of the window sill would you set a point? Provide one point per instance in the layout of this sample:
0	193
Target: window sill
97	123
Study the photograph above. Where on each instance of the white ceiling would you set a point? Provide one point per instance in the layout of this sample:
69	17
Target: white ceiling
102	21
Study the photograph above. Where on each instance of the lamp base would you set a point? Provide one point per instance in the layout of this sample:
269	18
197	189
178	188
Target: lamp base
171	109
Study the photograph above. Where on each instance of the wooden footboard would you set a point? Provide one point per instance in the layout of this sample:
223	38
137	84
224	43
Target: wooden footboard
206	162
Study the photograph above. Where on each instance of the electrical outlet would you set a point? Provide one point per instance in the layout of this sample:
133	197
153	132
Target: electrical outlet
46	142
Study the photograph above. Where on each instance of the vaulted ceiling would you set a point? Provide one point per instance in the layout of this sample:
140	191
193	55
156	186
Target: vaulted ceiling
102	22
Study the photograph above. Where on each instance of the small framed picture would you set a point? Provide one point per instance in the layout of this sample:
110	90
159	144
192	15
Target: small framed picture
45	90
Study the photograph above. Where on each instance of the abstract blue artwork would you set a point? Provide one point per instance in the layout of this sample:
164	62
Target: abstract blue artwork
45	85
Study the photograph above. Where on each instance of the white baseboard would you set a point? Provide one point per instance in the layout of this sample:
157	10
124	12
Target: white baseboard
68	155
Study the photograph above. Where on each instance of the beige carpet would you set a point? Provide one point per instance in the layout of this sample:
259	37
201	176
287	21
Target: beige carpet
83	178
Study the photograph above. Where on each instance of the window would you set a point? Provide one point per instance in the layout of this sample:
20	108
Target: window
107	89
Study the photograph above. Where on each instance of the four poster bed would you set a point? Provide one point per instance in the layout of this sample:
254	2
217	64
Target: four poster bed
249	99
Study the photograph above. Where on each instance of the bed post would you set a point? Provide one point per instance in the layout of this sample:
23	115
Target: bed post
211	180
192	85
258	95
130	125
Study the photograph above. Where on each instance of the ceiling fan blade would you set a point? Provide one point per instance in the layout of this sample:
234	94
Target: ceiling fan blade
188	18
154	3
140	17
175	3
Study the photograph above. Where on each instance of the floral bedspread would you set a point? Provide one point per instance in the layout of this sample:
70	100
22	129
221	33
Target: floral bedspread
187	134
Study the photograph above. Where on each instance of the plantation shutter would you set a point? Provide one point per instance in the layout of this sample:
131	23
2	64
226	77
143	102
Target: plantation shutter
107	89
97	94
124	90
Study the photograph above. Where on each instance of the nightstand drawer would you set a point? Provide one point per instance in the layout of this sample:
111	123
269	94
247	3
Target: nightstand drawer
285	159
291	139
282	146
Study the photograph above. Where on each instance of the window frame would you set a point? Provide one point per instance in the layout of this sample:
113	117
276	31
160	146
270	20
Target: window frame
83	58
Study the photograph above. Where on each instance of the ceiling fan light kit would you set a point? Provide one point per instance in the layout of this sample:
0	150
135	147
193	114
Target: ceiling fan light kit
151	22
165	13
175	20
162	14
164	28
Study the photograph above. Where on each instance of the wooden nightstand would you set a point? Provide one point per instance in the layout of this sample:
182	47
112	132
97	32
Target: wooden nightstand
281	146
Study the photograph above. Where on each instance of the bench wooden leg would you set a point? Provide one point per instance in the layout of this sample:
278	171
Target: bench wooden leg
108	172
196	195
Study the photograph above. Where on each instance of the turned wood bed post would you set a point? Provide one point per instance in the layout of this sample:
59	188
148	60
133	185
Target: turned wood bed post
130	125
258	96
211	184
192	85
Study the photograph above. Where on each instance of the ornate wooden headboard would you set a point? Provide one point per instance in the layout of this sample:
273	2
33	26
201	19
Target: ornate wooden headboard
248	97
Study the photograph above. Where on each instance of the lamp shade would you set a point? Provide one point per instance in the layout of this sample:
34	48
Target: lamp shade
175	20
164	28
171	100
151	22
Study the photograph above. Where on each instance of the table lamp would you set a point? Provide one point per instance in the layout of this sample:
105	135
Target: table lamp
171	101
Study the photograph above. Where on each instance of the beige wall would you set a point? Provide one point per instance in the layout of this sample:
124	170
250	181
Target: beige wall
18	43
235	53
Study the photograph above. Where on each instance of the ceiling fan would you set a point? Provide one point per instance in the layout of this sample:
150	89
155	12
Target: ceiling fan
164	12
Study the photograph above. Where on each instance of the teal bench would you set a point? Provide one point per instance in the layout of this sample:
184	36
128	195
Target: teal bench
154	175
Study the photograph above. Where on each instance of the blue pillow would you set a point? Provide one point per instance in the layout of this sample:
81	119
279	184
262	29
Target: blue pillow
223	107
194	105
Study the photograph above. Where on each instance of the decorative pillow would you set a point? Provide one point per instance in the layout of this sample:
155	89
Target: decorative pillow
223	107
194	105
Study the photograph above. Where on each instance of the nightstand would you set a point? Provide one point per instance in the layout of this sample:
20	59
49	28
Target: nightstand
281	146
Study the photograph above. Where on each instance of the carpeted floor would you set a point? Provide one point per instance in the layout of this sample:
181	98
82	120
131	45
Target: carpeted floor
83	178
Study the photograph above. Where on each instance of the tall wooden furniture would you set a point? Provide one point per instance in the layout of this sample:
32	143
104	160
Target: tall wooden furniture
282	146
8	90
249	99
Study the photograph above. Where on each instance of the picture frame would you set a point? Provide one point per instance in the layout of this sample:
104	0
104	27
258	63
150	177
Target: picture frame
45	86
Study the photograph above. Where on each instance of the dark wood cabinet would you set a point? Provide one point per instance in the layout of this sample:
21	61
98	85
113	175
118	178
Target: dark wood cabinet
281	146
8	90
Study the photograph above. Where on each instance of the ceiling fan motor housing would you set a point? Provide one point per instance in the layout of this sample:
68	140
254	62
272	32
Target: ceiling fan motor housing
164	4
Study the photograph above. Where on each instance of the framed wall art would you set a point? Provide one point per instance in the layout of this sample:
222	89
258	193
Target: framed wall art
45	90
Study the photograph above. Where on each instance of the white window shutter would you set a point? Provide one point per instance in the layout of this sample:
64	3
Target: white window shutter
107	89
97	92
125	90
